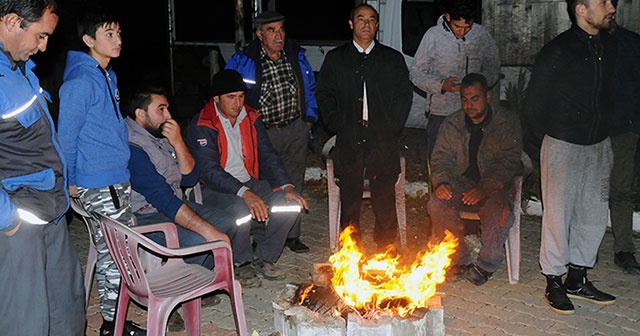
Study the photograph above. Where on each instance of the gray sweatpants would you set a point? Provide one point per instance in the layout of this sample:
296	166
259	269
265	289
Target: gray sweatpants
575	196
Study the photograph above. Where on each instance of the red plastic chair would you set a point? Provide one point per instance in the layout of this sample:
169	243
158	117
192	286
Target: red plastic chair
162	287
90	268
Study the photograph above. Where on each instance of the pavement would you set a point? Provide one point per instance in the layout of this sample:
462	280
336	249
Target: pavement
496	308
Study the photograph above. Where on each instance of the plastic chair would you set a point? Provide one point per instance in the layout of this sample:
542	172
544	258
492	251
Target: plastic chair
76	206
512	244
174	282
334	198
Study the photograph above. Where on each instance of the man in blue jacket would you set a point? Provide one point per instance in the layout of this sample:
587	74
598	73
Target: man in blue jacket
41	288
281	86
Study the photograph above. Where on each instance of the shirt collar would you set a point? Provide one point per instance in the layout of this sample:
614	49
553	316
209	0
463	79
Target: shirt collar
368	50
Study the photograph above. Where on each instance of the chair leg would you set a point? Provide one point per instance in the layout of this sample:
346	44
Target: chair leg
89	272
512	245
238	309
192	319
401	209
334	207
121	311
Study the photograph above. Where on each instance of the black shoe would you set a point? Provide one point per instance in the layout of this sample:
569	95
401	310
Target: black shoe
130	329
556	296
627	261
456	272
476	275
586	291
295	245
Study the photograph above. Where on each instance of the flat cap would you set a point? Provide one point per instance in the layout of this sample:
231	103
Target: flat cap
267	17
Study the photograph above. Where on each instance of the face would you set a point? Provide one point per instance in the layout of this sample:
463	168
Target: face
108	42
156	114
364	24
272	36
598	14
230	104
475	102
23	43
459	27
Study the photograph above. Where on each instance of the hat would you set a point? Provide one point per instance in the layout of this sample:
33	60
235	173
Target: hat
227	81
267	17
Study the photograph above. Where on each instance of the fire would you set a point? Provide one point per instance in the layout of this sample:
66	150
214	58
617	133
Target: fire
382	283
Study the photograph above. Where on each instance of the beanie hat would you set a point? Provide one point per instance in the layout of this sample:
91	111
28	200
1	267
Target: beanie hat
227	81
267	17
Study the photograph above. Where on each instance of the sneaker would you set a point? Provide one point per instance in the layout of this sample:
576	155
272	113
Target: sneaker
476	275
268	270
295	245
556	296
247	276
130	329
627	261
586	291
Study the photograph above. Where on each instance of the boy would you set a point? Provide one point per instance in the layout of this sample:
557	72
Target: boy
95	143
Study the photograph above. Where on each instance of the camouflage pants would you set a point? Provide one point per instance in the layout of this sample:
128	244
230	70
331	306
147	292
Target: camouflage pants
114	202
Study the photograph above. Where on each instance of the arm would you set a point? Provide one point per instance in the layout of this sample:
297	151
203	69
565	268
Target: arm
75	97
326	93
309	82
171	130
9	220
424	73
403	94
189	219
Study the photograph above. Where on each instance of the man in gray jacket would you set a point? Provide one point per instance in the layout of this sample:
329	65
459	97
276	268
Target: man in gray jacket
475	160
453	48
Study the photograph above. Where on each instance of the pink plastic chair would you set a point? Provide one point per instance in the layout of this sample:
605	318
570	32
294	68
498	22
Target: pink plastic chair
90	268
162	287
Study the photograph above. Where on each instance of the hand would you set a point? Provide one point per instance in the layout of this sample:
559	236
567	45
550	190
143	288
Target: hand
259	209
473	196
443	192
73	191
213	235
14	230
449	84
171	131
290	194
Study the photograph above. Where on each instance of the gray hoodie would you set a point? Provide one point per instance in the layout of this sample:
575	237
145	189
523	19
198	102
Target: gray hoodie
441	55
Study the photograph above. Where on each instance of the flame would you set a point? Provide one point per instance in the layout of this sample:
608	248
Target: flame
382	283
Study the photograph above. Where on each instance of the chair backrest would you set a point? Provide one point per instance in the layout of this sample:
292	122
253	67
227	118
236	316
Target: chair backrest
123	244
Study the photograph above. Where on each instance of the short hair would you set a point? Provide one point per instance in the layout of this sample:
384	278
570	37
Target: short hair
93	19
354	9
460	9
28	10
473	78
141	98
571	8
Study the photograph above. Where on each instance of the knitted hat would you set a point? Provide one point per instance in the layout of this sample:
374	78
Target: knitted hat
267	17
227	81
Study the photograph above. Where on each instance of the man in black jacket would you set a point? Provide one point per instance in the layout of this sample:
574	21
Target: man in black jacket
569	102
364	95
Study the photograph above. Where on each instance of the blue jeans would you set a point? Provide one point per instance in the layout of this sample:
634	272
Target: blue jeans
219	218
496	218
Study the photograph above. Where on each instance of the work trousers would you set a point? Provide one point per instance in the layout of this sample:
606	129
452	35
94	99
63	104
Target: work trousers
622	180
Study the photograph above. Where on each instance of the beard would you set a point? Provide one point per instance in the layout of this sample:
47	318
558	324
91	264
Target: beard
155	131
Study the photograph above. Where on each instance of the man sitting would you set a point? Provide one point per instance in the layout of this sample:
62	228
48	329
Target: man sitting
244	175
476	157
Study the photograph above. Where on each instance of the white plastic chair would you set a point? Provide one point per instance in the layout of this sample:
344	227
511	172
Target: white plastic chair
334	198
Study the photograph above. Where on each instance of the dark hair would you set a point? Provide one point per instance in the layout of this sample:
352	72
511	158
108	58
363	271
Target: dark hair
571	8
28	10
141	98
459	9
353	11
93	19
473	78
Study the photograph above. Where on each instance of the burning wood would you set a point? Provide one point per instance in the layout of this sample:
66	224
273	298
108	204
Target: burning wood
378	285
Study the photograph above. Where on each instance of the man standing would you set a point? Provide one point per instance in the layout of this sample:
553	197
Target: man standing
448	51
569	104
41	288
625	134
365	95
281	86
243	174
475	160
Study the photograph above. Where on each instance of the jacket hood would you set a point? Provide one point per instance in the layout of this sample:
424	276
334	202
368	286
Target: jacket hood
78	60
